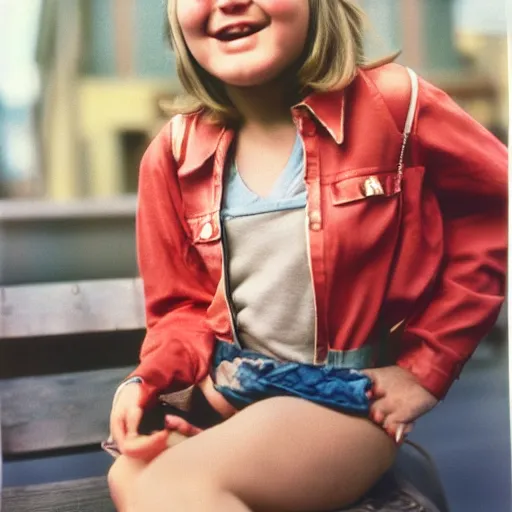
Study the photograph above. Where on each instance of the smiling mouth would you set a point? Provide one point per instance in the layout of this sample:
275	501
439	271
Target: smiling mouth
236	32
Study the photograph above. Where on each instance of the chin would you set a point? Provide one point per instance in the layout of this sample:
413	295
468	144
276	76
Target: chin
245	82
247	77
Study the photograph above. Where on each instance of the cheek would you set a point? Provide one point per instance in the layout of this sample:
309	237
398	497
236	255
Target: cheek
282	6
192	16
286	9
292	17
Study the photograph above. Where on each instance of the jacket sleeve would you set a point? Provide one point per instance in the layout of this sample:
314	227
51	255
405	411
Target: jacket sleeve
466	166
177	347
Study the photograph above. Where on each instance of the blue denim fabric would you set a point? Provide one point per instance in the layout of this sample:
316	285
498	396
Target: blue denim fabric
258	376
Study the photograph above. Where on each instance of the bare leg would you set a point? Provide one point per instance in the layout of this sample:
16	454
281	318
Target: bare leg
282	454
121	481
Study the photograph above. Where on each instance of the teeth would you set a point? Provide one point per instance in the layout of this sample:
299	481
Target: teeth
238	30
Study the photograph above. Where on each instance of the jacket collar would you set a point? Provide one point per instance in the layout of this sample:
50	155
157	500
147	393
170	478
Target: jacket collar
202	141
329	110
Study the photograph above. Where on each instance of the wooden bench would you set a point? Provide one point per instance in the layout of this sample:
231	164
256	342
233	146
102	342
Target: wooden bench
64	348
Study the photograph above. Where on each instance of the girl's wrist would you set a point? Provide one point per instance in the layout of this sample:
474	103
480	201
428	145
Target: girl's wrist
131	380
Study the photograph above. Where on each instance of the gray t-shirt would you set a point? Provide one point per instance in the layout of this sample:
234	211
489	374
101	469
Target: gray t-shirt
268	275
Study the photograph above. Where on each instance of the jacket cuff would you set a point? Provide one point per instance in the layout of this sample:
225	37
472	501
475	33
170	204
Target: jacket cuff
164	373
435	369
151	383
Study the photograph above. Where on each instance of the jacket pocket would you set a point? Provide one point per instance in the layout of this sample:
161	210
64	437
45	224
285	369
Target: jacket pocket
204	234
357	188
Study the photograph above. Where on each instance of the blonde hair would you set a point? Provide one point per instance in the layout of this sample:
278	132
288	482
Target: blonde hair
333	53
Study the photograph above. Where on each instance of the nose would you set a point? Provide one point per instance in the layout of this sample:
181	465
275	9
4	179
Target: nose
233	6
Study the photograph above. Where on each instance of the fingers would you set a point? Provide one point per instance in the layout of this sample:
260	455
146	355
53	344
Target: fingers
148	447
377	416
181	425
376	391
145	447
133	417
399	431
118	429
125	425
380	409
396	427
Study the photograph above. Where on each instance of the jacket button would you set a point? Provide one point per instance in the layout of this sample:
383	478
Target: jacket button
314	217
315	221
206	231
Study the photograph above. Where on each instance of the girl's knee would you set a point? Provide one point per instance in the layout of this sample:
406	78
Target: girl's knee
114	475
184	493
164	486
121	479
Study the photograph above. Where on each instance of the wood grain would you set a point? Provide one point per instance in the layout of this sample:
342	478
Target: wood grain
87	495
57	411
71	308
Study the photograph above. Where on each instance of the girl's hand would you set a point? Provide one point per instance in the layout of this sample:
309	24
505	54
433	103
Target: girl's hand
124	424
398	399
125	415
144	447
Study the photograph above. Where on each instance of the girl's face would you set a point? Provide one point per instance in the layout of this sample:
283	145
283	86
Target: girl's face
244	42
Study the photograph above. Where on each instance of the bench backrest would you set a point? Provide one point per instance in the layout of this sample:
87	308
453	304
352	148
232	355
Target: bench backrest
64	348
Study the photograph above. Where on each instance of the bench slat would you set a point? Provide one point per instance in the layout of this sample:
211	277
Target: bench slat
87	495
57	411
71	308
24	210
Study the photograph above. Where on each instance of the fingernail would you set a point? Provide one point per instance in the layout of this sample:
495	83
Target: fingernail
399	433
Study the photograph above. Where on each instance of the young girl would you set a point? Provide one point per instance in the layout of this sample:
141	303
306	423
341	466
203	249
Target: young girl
322	244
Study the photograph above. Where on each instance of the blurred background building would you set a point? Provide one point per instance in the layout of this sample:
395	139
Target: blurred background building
81	81
81	87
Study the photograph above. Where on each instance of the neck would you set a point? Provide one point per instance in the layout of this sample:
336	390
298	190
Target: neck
263	106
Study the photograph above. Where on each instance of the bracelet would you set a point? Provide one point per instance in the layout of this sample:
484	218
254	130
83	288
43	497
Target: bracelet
131	380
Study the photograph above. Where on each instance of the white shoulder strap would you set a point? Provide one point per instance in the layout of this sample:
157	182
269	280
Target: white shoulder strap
413	104
177	136
414	101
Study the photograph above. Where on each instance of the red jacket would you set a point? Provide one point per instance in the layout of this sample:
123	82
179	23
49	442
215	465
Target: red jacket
428	255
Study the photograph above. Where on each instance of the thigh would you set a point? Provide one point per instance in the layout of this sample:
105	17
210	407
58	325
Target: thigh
286	454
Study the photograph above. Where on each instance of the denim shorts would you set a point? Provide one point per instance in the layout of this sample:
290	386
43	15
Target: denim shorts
244	377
